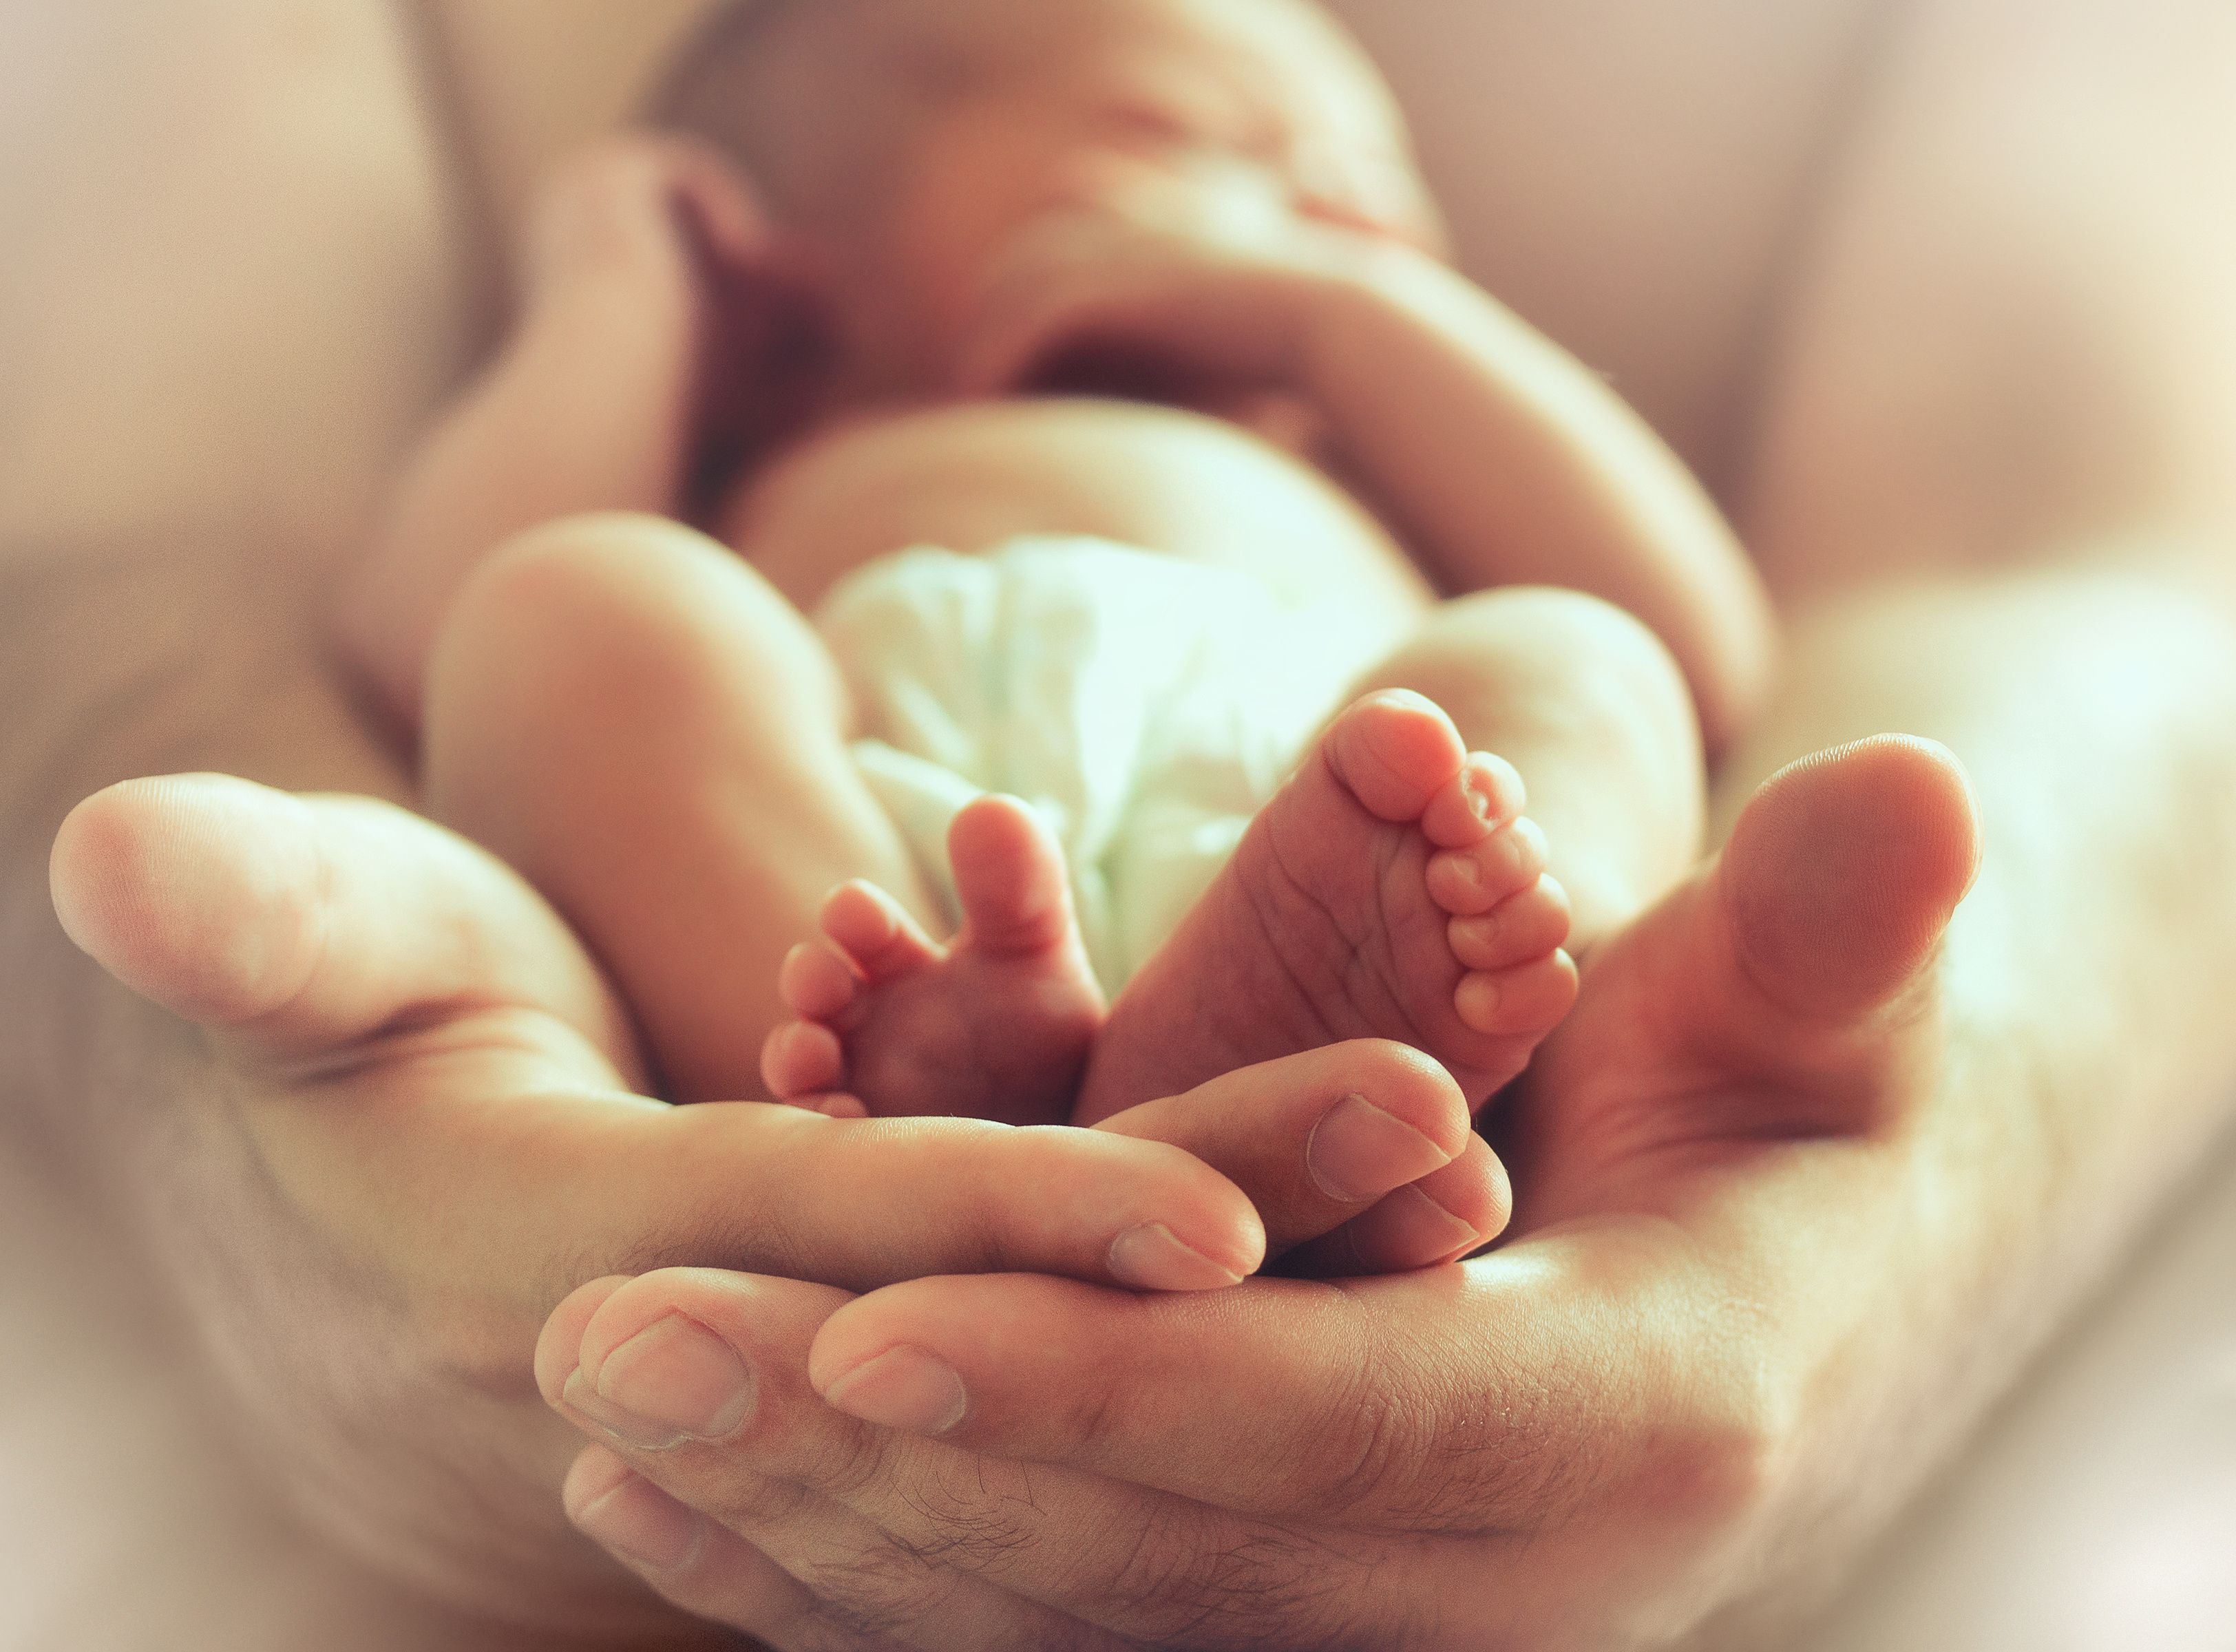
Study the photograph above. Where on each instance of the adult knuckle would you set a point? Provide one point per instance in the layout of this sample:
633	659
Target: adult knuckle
750	1503
879	1591
1376	1441
841	1461
1466	1453
973	1515
1262	1588
1426	1449
1720	1460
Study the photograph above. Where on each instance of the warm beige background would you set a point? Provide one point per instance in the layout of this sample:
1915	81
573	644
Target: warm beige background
2099	1511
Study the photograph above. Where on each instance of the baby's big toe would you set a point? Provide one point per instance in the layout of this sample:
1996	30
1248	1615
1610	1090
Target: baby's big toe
1394	752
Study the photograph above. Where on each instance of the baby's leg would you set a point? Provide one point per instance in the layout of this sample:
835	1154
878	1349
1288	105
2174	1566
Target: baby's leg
639	723
1592	710
1392	889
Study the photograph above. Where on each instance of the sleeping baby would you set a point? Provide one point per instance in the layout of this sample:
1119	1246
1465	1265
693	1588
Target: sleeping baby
1131	577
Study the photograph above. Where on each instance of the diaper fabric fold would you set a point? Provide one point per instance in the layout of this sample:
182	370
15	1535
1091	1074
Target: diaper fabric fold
1146	706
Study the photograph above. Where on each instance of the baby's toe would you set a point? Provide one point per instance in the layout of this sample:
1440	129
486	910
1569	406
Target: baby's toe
1520	928
1486	794
801	1058
1393	752
816	982
874	931
1467	882
1526	1002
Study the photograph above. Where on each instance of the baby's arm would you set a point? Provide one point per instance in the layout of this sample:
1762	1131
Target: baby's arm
1507	463
590	406
1502	458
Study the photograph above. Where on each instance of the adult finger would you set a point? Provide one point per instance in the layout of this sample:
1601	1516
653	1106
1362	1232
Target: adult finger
873	1598
698	1380
1445	1215
353	948
669	1370
1318	1139
1465	1399
296	926
696	1565
587	1183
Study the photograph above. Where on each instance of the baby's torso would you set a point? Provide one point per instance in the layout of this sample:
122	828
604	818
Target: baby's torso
973	478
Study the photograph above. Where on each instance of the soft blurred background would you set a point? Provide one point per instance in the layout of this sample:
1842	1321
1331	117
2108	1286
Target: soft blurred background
2098	1511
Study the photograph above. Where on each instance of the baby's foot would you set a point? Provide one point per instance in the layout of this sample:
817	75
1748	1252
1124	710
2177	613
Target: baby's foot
996	1025
1390	889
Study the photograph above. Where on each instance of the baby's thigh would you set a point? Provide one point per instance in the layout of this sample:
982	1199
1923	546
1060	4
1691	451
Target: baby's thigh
604	659
1586	702
1523	653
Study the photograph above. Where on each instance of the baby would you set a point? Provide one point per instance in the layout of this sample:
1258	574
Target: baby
1134	308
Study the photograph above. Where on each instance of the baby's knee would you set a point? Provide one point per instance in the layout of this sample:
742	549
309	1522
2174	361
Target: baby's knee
1530	640
554	580
594	603
1586	629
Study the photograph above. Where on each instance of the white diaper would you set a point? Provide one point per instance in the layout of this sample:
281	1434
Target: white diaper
1146	706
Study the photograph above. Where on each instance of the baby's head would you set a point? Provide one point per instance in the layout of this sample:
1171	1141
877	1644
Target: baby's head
915	138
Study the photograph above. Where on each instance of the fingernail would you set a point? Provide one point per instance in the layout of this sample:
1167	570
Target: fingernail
1482	793
1149	1257
675	1380
1424	1226
903	1388
1357	1152
644	1524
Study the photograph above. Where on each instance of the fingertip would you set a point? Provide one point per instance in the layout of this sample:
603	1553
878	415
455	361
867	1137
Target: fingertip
594	1474
1475	1188
631	1519
1417	1089
559	1343
1407	1230
1114	1208
197	890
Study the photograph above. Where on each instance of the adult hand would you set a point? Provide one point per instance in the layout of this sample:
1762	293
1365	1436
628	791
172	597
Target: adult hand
432	1089
1586	1439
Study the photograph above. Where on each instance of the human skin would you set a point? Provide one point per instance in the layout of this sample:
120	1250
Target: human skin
383	1120
2057	607
2100	782
652	842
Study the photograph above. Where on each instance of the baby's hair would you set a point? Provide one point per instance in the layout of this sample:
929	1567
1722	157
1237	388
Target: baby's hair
816	98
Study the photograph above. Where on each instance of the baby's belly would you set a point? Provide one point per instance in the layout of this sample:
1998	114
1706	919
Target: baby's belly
971	479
